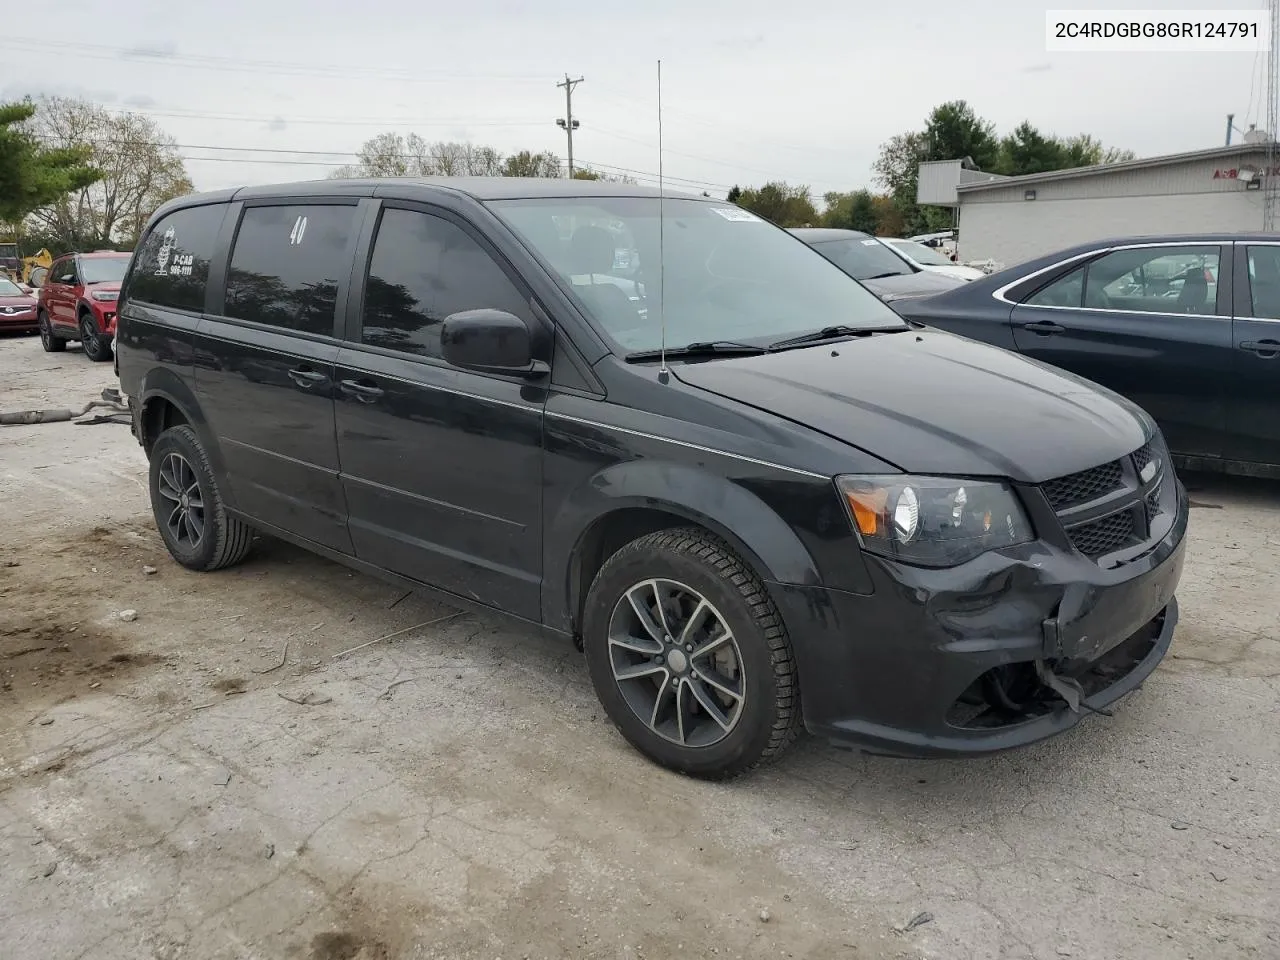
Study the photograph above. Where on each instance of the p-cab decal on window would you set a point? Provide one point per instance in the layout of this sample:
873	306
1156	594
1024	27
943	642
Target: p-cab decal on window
166	251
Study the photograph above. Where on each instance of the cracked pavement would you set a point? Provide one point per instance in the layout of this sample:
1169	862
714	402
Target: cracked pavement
455	791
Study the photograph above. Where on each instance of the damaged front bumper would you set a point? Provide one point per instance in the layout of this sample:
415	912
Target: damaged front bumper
1008	649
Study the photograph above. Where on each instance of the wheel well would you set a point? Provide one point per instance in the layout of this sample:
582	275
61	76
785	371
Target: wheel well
607	536
158	415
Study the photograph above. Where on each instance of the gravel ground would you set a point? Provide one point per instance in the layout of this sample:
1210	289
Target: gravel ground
211	780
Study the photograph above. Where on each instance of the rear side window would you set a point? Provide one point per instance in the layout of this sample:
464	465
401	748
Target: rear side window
286	265
171	268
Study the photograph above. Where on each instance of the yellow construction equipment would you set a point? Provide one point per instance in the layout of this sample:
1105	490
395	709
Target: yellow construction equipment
18	268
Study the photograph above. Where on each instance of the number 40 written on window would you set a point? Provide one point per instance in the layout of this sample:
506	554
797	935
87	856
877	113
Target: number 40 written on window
299	228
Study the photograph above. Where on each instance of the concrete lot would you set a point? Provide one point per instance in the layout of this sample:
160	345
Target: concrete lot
183	786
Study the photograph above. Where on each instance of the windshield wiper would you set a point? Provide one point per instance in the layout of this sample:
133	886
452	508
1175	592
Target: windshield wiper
830	333
707	348
886	276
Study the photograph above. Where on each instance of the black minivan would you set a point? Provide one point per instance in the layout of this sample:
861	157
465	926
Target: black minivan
754	495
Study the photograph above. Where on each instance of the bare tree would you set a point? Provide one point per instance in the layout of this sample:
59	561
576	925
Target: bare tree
140	166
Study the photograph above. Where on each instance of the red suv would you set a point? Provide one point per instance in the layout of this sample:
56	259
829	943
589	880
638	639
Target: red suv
78	302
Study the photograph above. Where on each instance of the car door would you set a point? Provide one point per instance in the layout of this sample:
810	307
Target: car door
1149	321
264	364
61	302
441	467
1253	433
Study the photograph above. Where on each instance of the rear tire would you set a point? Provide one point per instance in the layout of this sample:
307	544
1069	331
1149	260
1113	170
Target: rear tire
48	341
96	347
189	510
690	657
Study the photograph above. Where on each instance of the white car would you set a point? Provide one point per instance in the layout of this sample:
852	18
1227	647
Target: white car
926	258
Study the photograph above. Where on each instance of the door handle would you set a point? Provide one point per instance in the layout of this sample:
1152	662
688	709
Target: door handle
1266	349
362	390
306	377
1044	327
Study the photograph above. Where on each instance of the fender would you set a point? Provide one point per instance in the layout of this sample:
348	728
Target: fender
160	383
730	511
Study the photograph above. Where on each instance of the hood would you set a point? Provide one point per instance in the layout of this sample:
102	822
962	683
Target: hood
908	286
933	403
106	286
18	303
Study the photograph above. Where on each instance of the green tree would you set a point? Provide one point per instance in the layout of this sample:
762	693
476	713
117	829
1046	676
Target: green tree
953	131
33	174
780	203
862	212
139	169
1027	150
889	219
735	194
528	164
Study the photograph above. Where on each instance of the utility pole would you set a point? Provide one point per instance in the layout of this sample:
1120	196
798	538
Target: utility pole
1230	124
567	123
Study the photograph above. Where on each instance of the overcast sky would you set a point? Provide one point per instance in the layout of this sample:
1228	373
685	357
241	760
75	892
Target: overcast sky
803	90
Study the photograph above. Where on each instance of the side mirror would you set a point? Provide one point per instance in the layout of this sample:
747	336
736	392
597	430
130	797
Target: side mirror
492	341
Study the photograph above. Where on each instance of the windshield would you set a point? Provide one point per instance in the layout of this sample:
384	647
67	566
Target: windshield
103	269
8	251
925	256
863	257
9	289
728	275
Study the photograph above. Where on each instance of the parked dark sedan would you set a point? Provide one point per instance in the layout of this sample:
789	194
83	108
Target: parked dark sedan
1187	327
875	266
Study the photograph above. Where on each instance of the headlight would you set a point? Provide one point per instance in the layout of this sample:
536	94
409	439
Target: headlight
104	294
934	521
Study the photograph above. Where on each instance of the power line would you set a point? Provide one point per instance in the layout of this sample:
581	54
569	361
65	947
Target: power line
335	121
162	57
271	155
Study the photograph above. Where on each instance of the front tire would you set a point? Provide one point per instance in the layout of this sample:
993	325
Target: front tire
96	348
189	511
48	341
689	655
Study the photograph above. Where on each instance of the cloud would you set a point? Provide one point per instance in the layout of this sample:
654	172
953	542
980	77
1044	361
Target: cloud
1038	68
739	43
153	51
276	125
140	100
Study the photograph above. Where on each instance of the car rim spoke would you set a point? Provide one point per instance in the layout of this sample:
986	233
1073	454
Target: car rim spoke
708	703
178	487
643	614
713	679
658	629
711	646
639	670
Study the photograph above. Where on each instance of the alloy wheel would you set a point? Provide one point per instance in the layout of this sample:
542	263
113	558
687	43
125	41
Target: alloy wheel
46	335
178	486
676	663
89	339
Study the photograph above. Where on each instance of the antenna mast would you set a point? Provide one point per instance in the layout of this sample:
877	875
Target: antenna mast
662	289
1269	180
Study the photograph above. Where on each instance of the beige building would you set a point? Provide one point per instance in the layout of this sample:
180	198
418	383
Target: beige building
1012	219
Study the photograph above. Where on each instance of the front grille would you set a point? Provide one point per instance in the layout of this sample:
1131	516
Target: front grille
1118	489
1142	456
1153	504
1084	486
1101	537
